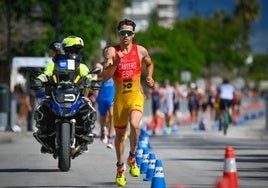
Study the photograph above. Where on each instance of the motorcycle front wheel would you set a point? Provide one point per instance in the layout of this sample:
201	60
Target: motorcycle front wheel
64	162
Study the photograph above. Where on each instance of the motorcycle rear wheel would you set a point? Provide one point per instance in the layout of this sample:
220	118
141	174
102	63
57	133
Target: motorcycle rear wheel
64	162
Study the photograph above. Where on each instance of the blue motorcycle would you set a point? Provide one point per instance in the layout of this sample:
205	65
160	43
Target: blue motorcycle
64	117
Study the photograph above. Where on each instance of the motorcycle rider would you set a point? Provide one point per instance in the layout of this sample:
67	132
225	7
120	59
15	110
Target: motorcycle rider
69	48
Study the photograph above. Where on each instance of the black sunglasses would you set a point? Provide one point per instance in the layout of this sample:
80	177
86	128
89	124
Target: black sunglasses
126	32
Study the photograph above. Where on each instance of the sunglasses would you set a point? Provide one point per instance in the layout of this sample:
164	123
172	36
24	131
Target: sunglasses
126	32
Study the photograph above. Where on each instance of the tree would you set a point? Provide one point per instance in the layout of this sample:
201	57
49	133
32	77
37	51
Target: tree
258	69
31	35
15	37
172	52
245	12
113	17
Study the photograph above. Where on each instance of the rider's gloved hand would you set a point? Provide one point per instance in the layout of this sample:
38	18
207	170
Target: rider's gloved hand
36	84
43	78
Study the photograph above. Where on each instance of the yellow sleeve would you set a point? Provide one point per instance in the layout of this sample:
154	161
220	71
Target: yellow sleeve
83	70
48	72
49	69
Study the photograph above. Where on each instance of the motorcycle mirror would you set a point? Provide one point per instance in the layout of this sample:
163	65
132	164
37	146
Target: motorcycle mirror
96	84
95	70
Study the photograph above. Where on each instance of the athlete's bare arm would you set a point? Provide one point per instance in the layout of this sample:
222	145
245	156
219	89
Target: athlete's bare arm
111	61
109	65
146	59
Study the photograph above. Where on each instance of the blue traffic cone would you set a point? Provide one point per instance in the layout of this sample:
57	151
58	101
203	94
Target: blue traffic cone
144	139
196	127
262	113
240	121
151	167
165	131
246	117
158	180
174	129
139	153
216	124
143	134
145	161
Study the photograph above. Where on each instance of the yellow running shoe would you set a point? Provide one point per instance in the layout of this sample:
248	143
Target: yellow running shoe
120	179
134	169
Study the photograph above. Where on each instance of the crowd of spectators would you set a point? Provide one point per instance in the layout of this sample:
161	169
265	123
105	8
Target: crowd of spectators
202	105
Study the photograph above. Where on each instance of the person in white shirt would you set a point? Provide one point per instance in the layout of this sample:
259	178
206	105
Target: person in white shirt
226	92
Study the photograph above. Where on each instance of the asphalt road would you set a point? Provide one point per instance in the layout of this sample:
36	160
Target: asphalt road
193	159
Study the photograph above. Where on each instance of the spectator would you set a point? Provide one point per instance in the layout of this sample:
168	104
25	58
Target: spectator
30	105
18	96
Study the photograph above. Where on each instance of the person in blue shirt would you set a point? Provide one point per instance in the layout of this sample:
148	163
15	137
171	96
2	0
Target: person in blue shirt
105	101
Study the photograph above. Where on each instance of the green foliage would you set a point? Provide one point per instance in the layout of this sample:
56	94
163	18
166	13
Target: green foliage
258	70
214	38
196	44
112	19
172	52
59	19
84	19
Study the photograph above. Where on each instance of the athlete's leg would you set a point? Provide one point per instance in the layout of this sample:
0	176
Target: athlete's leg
135	118
110	122
119	148
119	143
103	111
102	127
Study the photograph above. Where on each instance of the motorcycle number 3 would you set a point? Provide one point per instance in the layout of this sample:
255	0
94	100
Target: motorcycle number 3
127	87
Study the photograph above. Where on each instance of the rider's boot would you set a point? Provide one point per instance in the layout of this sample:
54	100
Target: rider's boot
89	138
40	135
88	135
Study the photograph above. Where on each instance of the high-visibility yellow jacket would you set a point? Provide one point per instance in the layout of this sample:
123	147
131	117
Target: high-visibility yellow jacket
82	70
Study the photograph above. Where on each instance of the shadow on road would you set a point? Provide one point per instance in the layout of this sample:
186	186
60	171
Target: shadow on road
15	170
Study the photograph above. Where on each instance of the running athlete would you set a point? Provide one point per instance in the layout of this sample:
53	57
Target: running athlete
105	101
178	94
193	102
157	97
168	105
123	62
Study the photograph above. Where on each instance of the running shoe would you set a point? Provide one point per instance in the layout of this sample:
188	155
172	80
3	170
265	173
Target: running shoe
120	179
110	145
103	138
134	169
110	142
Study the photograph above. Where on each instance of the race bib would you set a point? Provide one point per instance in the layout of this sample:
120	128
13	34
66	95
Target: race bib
66	64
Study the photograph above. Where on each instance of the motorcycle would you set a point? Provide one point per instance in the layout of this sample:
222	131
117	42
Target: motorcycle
65	118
